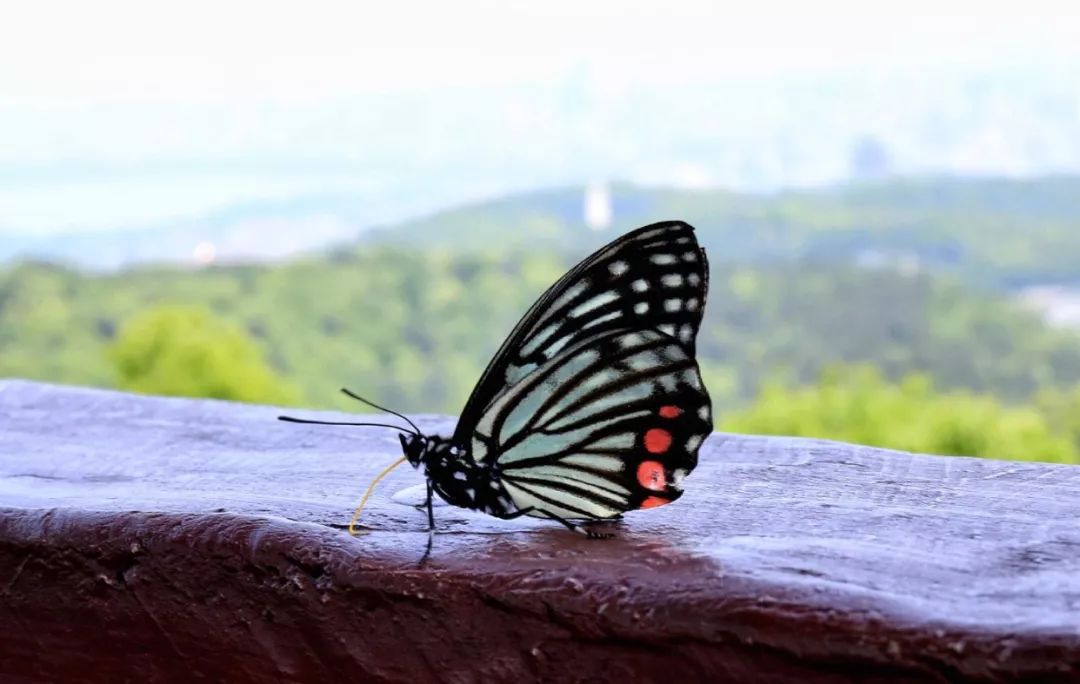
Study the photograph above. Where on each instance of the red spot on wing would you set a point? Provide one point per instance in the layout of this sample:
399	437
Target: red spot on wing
657	441
650	474
653	502
670	411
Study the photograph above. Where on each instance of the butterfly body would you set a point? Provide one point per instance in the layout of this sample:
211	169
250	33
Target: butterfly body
594	404
458	480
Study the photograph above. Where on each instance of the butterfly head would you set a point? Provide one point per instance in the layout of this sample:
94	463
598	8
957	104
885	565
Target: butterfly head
414	446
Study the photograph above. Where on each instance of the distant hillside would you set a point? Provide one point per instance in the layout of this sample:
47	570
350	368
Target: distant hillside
414	327
995	232
1005	233
256	231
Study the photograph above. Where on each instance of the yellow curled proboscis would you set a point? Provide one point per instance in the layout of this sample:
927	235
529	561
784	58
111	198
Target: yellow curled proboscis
367	494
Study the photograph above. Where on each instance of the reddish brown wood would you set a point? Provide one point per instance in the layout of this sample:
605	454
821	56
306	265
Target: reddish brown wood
167	540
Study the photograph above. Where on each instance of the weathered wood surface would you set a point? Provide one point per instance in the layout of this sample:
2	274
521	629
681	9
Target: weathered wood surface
150	539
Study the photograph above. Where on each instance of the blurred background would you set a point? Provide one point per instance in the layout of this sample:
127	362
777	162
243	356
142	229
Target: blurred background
248	201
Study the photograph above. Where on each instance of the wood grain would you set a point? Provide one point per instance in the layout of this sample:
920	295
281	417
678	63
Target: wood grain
156	539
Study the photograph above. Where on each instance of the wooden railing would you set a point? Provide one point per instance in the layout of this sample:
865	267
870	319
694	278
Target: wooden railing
151	539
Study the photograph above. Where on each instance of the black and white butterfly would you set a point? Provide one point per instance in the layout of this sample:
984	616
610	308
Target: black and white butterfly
594	404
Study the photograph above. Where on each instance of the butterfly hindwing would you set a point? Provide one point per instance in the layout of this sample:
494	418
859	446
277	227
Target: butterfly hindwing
612	423
654	278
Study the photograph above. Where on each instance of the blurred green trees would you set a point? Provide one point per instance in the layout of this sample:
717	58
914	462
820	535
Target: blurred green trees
186	351
857	404
413	329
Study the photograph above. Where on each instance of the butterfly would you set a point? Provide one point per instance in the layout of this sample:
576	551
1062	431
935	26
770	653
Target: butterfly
594	404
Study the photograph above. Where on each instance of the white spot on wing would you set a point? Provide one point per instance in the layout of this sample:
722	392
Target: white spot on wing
672	305
652	233
617	268
662	259
672	280
557	347
690	256
667	329
623	440
641	307
703	413
631	340
692	304
594	303
538	339
686	332
694	279
608	464
479	450
514	374
640	285
693	442
600	319
565	298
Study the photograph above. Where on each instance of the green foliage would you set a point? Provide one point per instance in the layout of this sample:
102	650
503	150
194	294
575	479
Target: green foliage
186	351
856	404
414	329
1062	410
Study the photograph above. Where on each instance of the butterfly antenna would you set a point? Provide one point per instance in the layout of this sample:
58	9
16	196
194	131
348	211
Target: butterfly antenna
367	494
290	419
372	404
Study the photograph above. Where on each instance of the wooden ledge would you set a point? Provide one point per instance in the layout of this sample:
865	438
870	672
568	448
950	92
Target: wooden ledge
158	540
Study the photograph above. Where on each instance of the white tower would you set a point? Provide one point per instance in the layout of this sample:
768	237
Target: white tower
598	212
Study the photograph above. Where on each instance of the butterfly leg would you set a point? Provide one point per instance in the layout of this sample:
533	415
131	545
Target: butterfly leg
517	513
430	509
431	528
580	529
569	525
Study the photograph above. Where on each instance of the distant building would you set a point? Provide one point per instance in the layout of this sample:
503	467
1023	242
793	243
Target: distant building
1058	305
598	210
205	252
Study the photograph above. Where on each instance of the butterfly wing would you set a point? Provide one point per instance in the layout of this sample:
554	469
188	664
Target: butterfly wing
653	278
594	405
610	424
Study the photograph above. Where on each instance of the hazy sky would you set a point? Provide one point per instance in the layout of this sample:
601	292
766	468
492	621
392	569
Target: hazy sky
91	91
285	51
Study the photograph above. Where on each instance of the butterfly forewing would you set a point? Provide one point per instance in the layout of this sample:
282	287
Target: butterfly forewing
654	278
